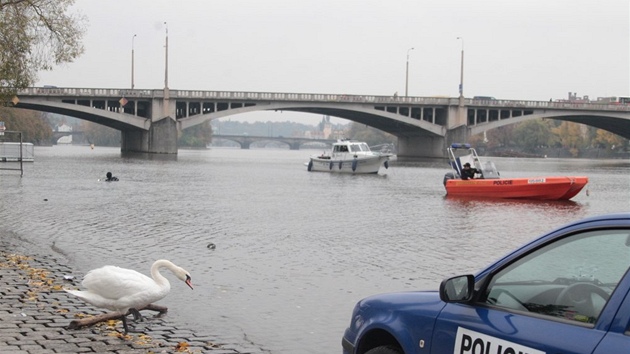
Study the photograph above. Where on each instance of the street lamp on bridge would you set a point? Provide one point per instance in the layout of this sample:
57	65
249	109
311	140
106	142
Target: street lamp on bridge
132	64
407	74
166	60
461	77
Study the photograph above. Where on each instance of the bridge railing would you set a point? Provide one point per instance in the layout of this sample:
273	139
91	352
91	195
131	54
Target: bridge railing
596	106
316	97
234	95
310	97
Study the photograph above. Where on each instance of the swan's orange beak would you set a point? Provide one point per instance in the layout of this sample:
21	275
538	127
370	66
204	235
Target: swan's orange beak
188	282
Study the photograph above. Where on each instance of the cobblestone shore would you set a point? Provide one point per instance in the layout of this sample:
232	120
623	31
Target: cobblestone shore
35	313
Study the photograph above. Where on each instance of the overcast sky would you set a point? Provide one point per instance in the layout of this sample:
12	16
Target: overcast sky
516	49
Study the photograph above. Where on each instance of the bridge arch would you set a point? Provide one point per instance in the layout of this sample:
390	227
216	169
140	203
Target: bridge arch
116	120
392	123
616	123
294	143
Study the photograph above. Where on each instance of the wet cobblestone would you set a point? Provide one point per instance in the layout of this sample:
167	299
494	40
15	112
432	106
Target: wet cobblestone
35	313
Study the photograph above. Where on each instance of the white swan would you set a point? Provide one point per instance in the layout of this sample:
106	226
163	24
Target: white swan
119	289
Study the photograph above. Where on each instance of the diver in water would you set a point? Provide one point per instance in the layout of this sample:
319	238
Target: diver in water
111	178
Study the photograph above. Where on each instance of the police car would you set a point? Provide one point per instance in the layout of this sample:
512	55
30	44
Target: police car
565	292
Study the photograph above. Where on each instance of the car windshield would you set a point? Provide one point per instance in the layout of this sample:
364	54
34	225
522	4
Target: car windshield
570	278
589	257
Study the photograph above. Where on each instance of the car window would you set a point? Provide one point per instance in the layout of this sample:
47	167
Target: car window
571	278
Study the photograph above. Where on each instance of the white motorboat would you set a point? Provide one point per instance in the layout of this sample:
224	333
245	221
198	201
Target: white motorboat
349	156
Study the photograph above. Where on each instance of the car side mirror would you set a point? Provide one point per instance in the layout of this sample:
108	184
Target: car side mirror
457	289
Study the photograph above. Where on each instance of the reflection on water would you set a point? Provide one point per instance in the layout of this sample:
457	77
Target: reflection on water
294	250
147	156
513	204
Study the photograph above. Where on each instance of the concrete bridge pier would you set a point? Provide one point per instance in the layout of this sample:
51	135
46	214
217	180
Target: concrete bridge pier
434	146
421	146
134	141
431	146
458	131
161	138
457	135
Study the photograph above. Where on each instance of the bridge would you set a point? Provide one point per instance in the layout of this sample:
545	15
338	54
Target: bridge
245	141
56	134
149	120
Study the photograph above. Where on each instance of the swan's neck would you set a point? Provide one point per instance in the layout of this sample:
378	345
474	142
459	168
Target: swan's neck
157	276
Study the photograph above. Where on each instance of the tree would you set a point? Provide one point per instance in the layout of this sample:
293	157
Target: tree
570	136
34	36
35	128
99	134
501	136
607	139
198	136
532	134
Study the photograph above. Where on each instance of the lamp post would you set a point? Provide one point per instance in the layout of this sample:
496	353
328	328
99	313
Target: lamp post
461	77
166	104
132	64
407	74
166	60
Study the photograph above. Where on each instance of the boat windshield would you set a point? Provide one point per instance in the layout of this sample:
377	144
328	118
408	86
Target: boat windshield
355	148
489	170
460	154
340	148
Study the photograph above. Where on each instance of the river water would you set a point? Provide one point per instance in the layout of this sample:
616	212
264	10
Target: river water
294	250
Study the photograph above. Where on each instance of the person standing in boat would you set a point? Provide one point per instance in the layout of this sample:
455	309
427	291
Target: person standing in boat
468	172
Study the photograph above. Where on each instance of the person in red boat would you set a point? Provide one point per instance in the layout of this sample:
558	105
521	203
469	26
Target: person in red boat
468	172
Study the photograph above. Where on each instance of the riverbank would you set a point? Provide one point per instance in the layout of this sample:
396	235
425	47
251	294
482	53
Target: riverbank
35	313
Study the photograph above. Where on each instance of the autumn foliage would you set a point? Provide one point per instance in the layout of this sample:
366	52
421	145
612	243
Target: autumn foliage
35	129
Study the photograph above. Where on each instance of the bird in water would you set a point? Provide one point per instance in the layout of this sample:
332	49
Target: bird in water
125	290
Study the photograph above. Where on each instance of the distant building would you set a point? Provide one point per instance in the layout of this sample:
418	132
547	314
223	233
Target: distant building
323	130
574	98
63	128
326	127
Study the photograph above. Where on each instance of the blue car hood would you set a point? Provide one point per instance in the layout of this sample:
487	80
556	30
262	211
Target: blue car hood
421	300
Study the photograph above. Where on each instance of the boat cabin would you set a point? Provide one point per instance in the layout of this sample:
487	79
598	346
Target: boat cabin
345	146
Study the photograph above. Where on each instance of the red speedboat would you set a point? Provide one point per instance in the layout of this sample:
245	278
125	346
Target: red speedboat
488	184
